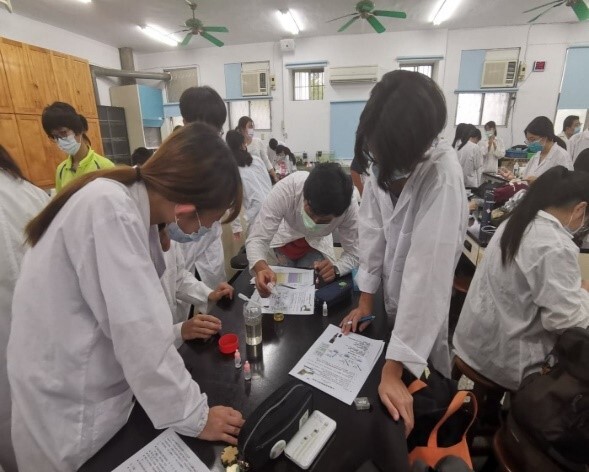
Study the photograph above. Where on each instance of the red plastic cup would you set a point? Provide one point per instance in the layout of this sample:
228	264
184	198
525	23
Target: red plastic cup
228	343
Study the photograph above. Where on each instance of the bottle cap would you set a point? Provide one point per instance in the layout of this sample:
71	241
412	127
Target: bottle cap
246	366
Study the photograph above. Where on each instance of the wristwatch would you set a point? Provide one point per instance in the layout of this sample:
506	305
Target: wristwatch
336	270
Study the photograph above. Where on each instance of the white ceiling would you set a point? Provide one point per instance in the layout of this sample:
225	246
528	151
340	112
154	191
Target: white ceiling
114	22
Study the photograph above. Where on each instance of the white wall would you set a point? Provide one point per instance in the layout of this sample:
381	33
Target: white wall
307	123
22	29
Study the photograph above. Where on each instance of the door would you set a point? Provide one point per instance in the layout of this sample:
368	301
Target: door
40	152
24	92
5	100
43	77
94	136
61	70
10	139
83	89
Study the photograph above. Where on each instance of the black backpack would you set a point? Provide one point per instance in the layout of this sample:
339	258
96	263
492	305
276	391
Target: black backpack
553	407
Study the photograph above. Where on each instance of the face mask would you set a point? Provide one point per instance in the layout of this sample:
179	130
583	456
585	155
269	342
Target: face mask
535	146
250	132
571	231
397	175
176	233
577	130
309	223
69	145
490	134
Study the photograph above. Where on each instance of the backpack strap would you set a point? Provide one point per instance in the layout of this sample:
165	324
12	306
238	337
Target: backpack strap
454	406
416	386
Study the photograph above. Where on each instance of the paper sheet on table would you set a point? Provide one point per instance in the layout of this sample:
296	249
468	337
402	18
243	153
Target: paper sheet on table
299	301
290	276
166	453
339	365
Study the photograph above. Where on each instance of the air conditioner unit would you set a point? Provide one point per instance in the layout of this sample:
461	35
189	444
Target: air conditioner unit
499	74
353	75
254	83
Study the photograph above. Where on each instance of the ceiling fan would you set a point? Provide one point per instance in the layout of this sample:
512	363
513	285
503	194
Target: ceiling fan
365	10
194	26
578	6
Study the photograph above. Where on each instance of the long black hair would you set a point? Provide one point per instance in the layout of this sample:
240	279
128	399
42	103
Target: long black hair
460	129
280	149
541	126
9	165
557	187
470	131
406	111
235	140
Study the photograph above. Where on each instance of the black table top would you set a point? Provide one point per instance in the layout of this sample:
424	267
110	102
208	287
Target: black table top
359	436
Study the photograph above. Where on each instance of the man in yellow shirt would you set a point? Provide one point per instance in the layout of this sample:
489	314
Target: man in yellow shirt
67	129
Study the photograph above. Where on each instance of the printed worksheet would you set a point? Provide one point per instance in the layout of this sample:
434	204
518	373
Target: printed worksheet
292	277
339	365
289	301
166	453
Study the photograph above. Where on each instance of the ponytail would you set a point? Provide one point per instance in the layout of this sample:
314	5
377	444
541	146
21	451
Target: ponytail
460	129
193	166
470	131
557	187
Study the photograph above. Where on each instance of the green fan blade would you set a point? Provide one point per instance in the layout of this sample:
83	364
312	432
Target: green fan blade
391	14
348	24
216	29
377	25
186	39
340	17
545	5
544	12
212	39
581	10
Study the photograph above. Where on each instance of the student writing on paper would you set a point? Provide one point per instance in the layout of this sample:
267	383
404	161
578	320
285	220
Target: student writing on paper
412	224
295	225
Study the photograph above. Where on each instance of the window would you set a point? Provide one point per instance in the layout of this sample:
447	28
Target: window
425	69
478	108
257	110
308	84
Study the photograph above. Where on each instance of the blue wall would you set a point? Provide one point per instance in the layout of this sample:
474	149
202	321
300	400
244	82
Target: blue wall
344	118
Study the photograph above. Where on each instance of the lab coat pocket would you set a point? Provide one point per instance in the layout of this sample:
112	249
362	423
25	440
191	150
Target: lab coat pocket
401	251
110	415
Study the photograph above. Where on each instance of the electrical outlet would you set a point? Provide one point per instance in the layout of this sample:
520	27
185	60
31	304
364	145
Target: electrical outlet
272	82
522	71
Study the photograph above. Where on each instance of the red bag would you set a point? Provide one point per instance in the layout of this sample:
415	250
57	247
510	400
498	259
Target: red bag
504	193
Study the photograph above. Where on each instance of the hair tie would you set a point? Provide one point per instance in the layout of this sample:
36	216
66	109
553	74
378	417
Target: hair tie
137	172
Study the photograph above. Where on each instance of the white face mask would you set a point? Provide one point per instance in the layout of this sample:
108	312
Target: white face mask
69	145
177	234
572	231
250	132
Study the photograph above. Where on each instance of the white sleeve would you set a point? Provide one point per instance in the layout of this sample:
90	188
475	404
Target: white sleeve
210	263
555	280
426	286
189	289
267	222
236	225
500	151
177	329
125	295
348	235
264	156
371	233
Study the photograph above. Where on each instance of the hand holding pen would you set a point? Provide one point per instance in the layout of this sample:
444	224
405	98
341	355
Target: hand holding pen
358	320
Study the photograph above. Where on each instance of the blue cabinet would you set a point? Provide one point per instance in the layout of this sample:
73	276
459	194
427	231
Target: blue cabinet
152	106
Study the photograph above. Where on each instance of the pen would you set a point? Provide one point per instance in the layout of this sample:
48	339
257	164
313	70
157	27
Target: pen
363	319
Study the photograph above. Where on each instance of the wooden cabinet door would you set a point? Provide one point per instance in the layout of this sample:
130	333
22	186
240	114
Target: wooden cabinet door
94	136
40	152
24	92
82	87
62	71
43	77
5	100
10	139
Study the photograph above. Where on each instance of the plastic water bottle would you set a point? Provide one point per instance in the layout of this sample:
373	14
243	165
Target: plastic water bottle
324	308
247	371
516	170
237	359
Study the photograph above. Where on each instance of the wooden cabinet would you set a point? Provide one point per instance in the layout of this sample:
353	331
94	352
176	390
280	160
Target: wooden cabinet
5	100
82	87
94	136
10	139
24	92
43	77
40	152
61	70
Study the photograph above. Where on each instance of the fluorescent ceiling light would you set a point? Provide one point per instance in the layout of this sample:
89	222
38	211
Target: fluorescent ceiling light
288	21
85	1
444	11
158	34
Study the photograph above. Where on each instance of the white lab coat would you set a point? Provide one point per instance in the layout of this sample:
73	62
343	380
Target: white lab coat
557	156
182	289
578	143
258	148
20	201
91	328
256	187
280	222
491	157
413	246
470	157
207	256
272	153
563	136
512	314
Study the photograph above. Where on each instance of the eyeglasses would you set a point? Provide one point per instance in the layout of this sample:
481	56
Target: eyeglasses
61	135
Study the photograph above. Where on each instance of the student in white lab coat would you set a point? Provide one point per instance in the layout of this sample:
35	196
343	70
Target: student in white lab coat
570	126
206	256
272	145
492	147
255	146
541	140
91	325
412	224
182	289
294	226
470	156
20	201
578	143
460	130
254	178
528	288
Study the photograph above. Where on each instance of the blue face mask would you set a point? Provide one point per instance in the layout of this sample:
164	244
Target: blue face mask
69	145
535	146
577	130
176	233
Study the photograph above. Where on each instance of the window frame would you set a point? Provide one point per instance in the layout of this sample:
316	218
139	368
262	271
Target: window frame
308	70
249	107
416	65
482	93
